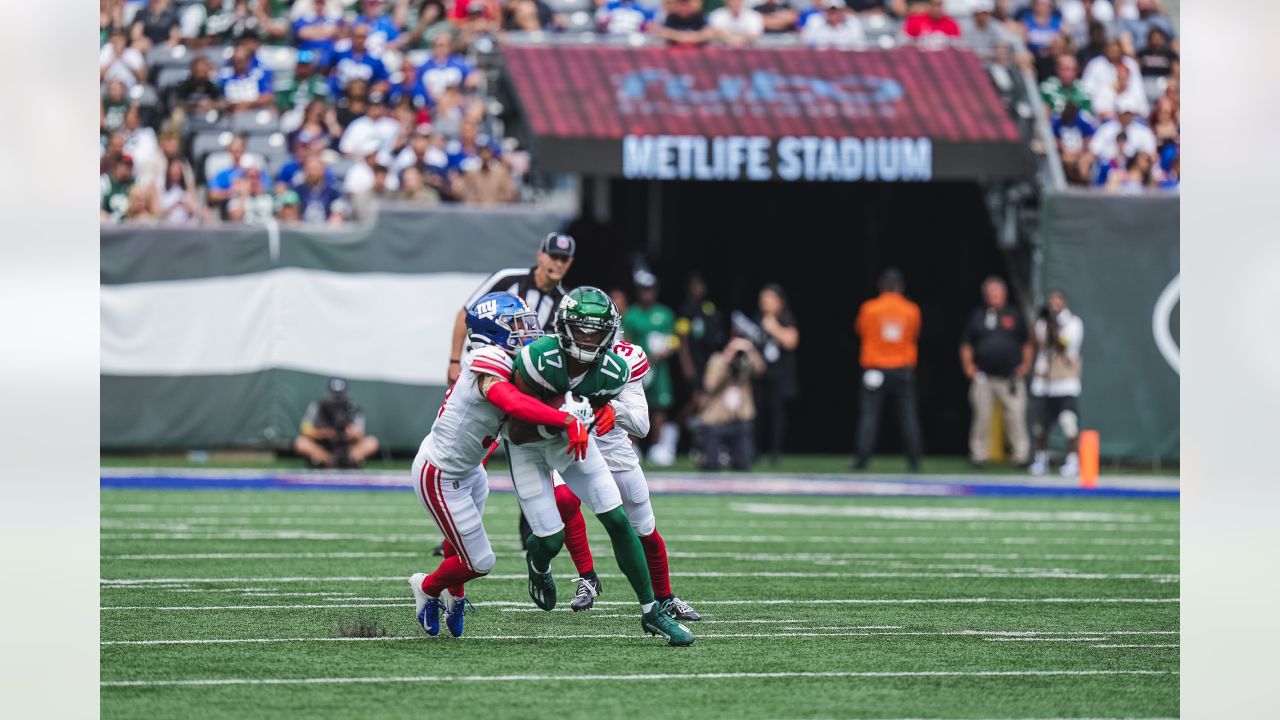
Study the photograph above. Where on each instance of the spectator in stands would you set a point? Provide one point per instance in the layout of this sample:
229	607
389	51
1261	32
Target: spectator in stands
219	189
1078	15
375	125
201	23
1157	59
316	29
1118	140
142	205
304	87
445	69
115	103
382	30
176	196
685	25
304	147
357	63
781	382
115	190
888	328
320	201
141	144
110	17
238	24
1164	124
1095	45
288	207
413	188
332	432
779	16
353	104
1063	89
474	18
432	20
929	19
489	182
405	85
835	27
361	178
529	16
199	92
112	153
246	85
996	357
1137	175
157	25
1073	133
736	24
988	39
1041	23
1138	30
117	60
1101	71
251	202
729	411
1126	88
1055	382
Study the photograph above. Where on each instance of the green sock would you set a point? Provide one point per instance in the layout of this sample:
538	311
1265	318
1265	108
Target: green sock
627	550
542	549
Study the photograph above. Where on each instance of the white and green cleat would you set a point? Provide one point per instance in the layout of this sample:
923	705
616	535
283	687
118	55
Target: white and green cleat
542	588
657	622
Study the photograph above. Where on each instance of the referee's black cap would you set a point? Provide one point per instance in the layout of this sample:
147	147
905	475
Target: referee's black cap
558	243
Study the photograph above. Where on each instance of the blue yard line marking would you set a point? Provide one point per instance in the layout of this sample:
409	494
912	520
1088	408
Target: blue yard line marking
885	488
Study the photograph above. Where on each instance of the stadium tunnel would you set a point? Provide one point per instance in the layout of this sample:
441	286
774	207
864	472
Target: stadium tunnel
639	143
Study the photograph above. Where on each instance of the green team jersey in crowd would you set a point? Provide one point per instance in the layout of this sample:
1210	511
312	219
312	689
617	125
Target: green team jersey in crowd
654	330
115	197
291	93
544	367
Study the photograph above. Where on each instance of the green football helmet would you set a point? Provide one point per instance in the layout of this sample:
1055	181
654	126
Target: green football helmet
586	323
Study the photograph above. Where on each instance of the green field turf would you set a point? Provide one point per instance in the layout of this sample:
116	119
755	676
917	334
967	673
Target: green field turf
813	607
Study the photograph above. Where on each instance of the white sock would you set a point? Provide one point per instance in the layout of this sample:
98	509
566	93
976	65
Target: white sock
1042	456
646	607
669	436
1072	459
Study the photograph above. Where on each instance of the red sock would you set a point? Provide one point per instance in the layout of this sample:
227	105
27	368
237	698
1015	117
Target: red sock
575	529
655	554
450	551
451	574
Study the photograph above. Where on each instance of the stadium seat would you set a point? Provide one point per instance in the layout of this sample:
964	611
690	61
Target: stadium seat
255	122
219	55
206	143
340	168
212	121
267	145
170	77
1155	87
144	96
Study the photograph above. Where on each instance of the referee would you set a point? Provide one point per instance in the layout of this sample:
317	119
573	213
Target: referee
539	286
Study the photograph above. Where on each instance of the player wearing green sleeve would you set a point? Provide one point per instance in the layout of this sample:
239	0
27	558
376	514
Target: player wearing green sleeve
652	326
576	362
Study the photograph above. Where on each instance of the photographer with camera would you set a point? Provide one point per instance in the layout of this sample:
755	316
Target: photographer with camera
1055	382
333	431
729	410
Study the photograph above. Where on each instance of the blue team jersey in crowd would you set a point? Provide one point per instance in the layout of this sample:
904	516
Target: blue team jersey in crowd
322	48
291	173
435	76
348	66
1039	35
316	203
624	17
381	31
246	87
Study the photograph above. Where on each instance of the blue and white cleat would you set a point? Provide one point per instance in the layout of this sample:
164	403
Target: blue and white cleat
454	610
428	607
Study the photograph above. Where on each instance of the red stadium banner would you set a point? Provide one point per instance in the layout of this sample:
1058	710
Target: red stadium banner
786	114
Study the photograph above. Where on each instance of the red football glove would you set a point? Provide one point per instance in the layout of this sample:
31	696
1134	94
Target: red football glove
578	436
604	419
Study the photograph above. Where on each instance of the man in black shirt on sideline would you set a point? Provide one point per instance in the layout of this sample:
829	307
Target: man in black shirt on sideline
996	357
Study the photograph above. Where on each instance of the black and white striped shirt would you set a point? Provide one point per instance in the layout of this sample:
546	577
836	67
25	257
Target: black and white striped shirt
519	282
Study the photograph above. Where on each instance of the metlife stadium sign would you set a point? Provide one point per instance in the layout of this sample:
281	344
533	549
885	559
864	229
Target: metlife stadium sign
782	114
685	157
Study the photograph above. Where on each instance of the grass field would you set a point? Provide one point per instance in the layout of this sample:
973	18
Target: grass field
233	604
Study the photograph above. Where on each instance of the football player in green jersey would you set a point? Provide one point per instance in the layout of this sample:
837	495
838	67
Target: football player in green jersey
574	363
652	326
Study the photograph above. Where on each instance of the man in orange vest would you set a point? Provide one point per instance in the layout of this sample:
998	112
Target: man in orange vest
889	327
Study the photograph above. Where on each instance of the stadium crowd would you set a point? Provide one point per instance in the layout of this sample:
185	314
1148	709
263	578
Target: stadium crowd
305	110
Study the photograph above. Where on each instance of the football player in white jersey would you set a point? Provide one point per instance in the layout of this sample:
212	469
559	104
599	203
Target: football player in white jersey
630	413
448	472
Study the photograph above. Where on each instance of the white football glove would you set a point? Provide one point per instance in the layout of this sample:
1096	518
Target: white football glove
580	409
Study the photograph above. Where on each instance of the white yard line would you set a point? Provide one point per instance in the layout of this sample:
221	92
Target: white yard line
434	537
930	512
261	555
1136	646
626	678
1044	639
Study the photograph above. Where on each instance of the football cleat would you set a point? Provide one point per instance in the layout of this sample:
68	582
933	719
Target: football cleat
1039	467
542	588
428	608
679	610
585	597
656	622
454	610
1071	467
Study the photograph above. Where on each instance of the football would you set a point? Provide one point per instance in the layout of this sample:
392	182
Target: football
521	432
